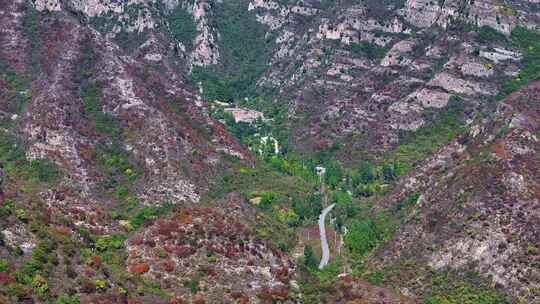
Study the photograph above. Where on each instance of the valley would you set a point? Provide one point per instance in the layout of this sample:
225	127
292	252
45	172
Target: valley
261	151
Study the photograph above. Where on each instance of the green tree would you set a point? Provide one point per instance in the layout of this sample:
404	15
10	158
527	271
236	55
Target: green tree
364	235
309	258
367	172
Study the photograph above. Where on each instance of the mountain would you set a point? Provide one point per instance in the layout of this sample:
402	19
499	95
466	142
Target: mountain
478	205
168	151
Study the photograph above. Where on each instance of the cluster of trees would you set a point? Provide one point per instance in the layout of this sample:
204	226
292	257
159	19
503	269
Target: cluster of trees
244	45
245	48
17	166
369	50
104	123
371	227
528	41
182	26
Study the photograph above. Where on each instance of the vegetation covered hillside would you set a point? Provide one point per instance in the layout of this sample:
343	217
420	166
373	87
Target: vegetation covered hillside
170	151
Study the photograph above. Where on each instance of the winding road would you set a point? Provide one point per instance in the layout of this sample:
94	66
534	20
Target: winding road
324	243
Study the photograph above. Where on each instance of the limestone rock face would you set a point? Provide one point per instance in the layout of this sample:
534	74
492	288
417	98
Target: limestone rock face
206	51
158	142
481	203
363	48
143	15
108	92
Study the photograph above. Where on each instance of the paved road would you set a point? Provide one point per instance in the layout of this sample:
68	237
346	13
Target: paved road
324	242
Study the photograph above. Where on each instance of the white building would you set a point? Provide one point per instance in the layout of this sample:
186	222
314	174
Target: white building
244	115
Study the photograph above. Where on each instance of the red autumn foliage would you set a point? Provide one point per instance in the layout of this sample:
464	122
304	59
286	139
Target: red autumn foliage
500	150
198	299
165	227
167	265
185	251
209	270
139	268
150	243
185	217
276	293
65	231
88	286
177	301
240	297
215	248
95	261
137	240
282	274
6	279
170	248
220	225
231	252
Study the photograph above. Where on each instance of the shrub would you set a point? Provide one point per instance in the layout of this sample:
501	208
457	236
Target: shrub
105	124
149	213
31	20
309	258
40	285
111	242
130	40
406	203
16	164
192	285
418	145
118	171
43	170
245	47
15	92
214	88
100	285
66	299
488	35
450	290
139	268
364	235
369	50
21	215
4	265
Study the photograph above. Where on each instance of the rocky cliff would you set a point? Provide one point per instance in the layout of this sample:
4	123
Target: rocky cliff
122	179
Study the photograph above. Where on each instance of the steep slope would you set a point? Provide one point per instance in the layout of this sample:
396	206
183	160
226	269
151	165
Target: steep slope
478	209
352	75
91	102
95	144
108	149
358	74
